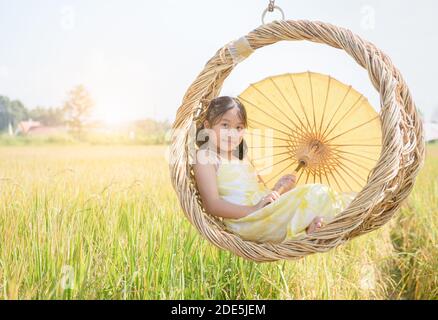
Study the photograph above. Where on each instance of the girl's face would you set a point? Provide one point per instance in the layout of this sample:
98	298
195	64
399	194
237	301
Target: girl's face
228	133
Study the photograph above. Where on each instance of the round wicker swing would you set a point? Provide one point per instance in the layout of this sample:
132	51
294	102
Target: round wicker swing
389	182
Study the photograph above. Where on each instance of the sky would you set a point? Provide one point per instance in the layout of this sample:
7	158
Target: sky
137	58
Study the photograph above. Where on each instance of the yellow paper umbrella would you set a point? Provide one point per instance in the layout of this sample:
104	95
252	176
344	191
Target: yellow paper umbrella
310	123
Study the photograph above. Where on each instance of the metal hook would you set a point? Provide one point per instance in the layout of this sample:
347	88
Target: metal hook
271	8
271	5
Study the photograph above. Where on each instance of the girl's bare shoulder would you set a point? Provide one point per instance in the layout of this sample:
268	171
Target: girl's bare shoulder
205	157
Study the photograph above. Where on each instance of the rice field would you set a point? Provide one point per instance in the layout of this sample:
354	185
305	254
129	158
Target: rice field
103	222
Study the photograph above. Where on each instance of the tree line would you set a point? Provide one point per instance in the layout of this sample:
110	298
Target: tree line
74	114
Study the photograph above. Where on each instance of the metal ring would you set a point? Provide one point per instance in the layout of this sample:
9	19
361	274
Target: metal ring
266	11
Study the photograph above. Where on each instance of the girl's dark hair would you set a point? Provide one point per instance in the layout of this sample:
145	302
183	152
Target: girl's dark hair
213	114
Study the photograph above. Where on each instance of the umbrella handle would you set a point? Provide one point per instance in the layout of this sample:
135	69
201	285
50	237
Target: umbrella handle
281	190
302	164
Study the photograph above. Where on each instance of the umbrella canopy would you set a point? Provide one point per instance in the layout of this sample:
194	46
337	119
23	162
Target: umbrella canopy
310	123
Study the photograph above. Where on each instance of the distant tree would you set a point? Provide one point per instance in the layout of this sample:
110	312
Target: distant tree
78	109
11	112
434	117
48	116
151	126
5	116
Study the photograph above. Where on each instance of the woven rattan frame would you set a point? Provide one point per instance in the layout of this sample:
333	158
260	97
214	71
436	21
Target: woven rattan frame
389	182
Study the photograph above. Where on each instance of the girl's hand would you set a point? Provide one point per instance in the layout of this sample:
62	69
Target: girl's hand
267	199
286	183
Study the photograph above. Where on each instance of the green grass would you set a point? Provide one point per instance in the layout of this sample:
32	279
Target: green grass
87	139
103	222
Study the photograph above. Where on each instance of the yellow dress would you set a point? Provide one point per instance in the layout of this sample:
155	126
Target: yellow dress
285	218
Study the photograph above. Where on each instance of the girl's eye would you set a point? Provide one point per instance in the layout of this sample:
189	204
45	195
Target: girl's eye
224	125
239	128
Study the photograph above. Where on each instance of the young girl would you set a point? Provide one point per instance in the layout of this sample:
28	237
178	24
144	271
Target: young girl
230	187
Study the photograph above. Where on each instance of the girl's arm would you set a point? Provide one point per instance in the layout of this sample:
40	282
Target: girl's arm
205	175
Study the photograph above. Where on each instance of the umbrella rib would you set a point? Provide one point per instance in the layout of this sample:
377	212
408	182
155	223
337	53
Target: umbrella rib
335	165
327	176
273	155
356	154
337	149
362	124
366	169
357	175
361	97
350	169
314	175
282	146
275	129
356	145
281	171
313	102
341	166
313	172
301	103
290	106
261	135
278	108
333	115
366	139
287	134
300	176
257	172
257	107
325	105
275	164
319	174
335	168
287	140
